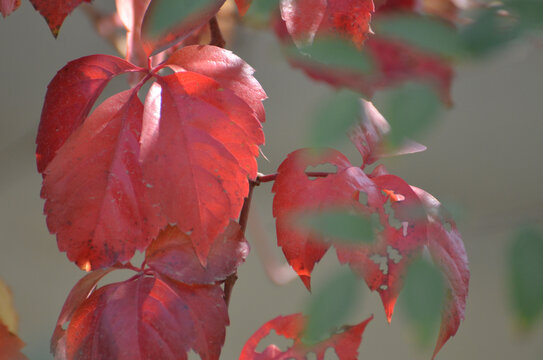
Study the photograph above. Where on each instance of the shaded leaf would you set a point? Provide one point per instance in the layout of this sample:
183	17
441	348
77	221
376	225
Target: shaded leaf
93	188
329	306
422	299
167	22
69	99
172	254
344	343
55	11
8	6
525	260
146	317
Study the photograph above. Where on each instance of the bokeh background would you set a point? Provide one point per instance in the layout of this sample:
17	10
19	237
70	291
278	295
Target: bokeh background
484	160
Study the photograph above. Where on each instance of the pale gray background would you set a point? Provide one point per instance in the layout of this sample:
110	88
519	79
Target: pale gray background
484	157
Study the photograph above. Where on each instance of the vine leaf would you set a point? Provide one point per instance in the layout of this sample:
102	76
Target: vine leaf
55	11
226	68
203	136
145	317
8	6
243	6
304	19
95	195
69	99
131	13
10	345
167	22
173	255
344	343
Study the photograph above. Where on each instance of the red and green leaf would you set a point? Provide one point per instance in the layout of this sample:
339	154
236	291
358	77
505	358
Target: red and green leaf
173	255
344	343
146	317
55	11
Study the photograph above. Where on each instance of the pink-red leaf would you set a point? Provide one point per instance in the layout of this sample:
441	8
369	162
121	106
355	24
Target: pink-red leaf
55	11
224	67
93	188
345	343
10	345
243	6
131	13
8	6
295	192
447	250
198	147
172	254
306	18
69	99
146	318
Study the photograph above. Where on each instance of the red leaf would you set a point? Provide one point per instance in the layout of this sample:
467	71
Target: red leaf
206	138
77	296
397	5
305	18
156	40
447	250
69	99
94	189
10	345
55	11
172	254
345	343
295	192
243	6
8	6
224	67
384	263
146	318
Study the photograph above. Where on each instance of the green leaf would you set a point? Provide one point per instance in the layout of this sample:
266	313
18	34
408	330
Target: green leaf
409	109
334	53
424	32
164	15
330	304
343	225
333	118
525	260
422	299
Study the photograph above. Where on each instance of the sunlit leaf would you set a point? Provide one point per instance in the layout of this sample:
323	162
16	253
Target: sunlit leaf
525	260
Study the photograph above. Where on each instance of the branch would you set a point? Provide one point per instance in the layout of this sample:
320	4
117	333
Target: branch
216	35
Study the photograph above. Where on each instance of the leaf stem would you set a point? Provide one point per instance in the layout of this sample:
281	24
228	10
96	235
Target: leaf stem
216	35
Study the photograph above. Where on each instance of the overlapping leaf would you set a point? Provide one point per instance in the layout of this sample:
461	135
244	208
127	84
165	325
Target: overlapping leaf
182	158
345	343
408	222
69	99
55	11
146	317
8	6
172	254
305	18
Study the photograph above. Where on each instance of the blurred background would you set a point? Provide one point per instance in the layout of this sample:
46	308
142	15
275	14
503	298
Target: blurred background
484	161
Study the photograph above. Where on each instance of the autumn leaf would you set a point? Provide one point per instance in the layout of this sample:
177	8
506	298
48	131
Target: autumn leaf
173	255
10	344
131	13
55	11
345	343
8	6
69	99
145	317
203	136
95	195
243	6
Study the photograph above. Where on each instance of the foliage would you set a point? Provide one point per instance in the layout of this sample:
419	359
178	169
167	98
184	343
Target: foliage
173	175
